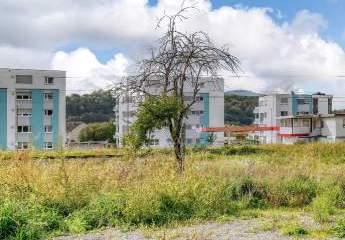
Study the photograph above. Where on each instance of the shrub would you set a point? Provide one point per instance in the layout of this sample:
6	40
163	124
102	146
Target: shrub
296	192
339	228
252	194
294	230
105	210
323	207
26	220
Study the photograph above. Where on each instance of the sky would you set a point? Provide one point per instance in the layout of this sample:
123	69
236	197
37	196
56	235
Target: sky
282	45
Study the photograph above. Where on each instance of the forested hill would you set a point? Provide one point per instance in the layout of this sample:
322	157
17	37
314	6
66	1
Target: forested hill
94	107
98	107
239	109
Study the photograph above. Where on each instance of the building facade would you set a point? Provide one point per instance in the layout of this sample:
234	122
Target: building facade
32	109
289	118
208	111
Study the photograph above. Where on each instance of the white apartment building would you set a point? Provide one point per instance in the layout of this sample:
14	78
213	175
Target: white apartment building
289	118
207	112
32	109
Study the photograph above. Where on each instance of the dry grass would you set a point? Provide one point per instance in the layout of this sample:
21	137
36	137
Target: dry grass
50	197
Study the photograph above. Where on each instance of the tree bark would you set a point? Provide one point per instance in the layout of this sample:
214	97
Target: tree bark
179	154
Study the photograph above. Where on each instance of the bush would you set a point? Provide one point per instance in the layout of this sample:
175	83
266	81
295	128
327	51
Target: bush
323	207
294	230
296	192
26	221
250	193
339	228
105	210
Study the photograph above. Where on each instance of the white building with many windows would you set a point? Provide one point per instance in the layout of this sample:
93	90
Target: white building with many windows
32	109
207	112
289	118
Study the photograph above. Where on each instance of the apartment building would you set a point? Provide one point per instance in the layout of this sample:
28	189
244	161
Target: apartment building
208	111
32	109
289	118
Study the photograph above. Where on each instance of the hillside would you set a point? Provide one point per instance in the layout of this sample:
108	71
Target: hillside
238	110
242	92
98	107
94	107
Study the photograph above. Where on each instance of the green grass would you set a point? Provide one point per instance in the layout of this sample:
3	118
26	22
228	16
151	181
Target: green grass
117	188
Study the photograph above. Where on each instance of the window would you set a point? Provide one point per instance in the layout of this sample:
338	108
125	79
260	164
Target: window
284	100
48	145
24	113
24	129
197	112
285	123
48	96
284	113
301	123
23	96
189	141
302	101
262	116
154	142
48	112
48	128
329	106
302	113
48	80
22	145
24	79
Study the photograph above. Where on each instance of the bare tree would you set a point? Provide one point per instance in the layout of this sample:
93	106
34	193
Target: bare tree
180	59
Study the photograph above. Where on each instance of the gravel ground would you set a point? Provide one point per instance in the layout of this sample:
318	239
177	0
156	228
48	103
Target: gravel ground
236	230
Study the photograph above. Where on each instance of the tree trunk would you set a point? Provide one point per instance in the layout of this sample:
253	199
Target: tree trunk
179	146
179	154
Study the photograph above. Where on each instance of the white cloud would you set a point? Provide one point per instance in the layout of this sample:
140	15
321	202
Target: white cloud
12	57
273	55
85	73
306	22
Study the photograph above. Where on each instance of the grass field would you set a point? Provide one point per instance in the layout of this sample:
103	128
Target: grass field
55	193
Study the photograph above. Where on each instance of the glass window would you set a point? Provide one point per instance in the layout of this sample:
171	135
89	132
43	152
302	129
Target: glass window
48	80
283	113
22	145
48	128
23	96
48	112
48	96
285	122
24	129
48	145
302	101
284	100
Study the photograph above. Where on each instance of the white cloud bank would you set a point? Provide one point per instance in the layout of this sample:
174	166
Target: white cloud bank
85	72
273	55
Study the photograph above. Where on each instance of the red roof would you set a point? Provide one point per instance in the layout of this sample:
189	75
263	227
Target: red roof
240	129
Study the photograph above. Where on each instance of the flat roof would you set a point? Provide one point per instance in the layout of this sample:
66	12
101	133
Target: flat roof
31	69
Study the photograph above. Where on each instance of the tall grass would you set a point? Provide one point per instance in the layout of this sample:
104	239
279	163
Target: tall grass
41	198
